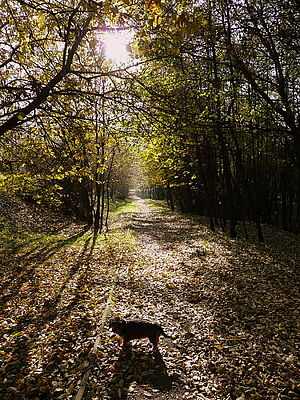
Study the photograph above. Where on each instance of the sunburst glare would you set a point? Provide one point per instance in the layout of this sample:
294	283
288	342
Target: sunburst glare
115	44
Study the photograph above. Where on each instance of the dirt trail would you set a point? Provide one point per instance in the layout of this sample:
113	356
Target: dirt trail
231	307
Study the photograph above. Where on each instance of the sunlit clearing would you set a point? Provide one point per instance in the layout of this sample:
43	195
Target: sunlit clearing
115	44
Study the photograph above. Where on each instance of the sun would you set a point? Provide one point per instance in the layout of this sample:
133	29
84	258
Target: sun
115	44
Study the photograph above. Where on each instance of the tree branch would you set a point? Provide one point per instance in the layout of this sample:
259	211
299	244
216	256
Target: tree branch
19	116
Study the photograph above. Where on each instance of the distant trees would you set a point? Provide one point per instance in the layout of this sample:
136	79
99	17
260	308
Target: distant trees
233	112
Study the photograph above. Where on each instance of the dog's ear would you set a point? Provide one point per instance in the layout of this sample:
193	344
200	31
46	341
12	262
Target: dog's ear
122	322
117	321
113	321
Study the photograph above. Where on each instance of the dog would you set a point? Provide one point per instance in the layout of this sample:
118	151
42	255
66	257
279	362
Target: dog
137	329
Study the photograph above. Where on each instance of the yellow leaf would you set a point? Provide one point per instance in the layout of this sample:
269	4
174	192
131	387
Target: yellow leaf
18	334
154	7
157	20
217	346
41	20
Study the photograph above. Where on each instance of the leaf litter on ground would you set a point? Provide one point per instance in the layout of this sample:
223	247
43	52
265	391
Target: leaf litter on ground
231	306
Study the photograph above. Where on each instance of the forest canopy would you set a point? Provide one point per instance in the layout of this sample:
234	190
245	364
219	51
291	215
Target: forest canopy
205	108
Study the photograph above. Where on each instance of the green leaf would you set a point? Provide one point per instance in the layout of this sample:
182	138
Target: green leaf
20	116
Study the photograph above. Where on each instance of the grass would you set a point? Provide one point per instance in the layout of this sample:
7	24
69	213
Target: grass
118	207
159	205
17	239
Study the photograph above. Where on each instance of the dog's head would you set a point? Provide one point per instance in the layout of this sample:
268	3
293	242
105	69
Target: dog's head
117	325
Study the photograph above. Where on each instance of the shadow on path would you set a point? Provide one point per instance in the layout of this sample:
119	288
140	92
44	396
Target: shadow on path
16	274
134	368
26	331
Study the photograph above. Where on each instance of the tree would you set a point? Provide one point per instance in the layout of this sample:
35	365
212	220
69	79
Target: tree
240	143
40	43
213	98
53	69
265	49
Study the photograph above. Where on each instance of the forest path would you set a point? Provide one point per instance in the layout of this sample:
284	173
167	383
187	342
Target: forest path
231	306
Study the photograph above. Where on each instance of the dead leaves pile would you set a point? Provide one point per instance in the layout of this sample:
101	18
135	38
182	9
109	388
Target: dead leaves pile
232	308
